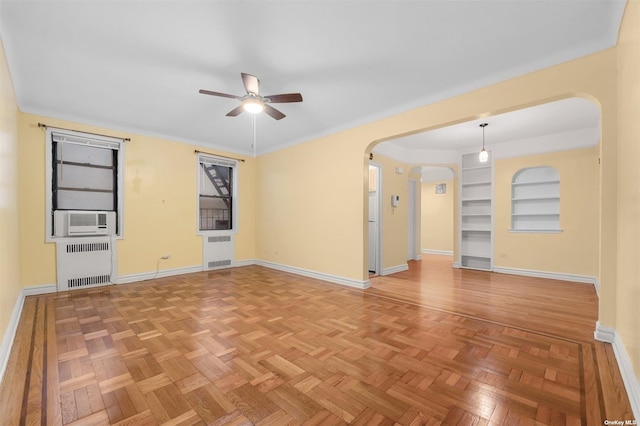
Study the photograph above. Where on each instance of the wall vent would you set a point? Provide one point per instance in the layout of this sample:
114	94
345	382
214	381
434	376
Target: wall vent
85	264
219	263
88	281
219	239
84	247
218	251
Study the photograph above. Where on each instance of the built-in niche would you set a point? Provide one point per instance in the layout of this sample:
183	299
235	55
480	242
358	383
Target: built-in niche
535	200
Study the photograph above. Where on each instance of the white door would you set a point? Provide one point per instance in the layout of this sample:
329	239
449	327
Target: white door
373	230
412	227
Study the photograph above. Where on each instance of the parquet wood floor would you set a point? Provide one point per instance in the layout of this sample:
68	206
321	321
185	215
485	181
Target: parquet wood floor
251	345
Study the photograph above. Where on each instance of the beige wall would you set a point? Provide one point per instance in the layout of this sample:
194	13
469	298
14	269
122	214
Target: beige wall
437	217
160	204
575	249
627	297
10	284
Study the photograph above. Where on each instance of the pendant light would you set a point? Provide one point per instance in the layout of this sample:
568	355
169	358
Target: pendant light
483	157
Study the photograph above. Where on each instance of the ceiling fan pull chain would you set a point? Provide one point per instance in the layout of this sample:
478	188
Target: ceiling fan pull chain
253	122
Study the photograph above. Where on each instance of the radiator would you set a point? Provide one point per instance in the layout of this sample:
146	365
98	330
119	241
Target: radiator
85	262
218	251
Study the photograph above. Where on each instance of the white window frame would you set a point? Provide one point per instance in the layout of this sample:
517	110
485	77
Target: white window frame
82	138
222	161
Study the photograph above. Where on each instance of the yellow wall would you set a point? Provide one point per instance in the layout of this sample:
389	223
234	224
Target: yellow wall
160	204
575	249
312	211
9	238
304	217
394	219
627	298
437	217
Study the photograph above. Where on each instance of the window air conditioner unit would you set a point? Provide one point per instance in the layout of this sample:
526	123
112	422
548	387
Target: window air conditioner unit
69	223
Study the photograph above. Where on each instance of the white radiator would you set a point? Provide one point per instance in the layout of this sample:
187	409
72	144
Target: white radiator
218	251
85	262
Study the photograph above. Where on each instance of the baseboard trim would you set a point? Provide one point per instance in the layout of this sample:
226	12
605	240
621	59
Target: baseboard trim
143	276
395	269
550	275
631	384
442	252
246	262
455	265
40	289
313	274
14	321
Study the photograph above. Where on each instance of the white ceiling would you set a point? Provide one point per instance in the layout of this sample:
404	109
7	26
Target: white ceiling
567	115
138	65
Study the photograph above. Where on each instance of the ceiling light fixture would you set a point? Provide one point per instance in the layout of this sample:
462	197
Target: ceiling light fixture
253	105
483	157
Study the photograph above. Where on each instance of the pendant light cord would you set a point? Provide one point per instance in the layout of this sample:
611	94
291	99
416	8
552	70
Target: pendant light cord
483	125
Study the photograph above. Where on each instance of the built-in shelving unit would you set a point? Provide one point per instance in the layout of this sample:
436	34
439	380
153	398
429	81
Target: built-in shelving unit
535	200
476	213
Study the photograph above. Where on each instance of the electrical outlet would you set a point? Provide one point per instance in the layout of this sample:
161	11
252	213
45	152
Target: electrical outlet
166	256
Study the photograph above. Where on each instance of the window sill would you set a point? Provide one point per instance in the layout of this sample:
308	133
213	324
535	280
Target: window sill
213	232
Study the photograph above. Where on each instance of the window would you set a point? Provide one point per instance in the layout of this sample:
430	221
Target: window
84	174
216	194
535	202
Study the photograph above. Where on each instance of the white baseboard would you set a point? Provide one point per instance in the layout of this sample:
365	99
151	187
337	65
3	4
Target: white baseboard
14	321
313	274
394	269
455	265
40	289
550	275
631	384
245	262
132	278
443	252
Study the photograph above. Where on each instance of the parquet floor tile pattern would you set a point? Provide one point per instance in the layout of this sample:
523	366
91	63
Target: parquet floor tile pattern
256	346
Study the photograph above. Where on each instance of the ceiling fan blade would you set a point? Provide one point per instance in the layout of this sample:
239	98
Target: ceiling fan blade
251	83
236	111
224	95
271	111
285	97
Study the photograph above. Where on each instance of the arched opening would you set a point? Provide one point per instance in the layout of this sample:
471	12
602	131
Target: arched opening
564	134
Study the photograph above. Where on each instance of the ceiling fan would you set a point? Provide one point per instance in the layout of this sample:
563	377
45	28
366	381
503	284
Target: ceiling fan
253	102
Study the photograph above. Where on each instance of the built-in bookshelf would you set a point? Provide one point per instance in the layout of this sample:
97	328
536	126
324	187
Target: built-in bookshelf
476	213
535	200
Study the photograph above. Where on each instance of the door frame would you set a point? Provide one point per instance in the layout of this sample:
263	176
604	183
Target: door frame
413	251
378	242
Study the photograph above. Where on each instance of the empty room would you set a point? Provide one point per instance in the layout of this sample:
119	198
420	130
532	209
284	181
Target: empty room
319	212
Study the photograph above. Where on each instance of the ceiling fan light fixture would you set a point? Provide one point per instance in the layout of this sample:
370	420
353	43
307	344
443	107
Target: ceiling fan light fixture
252	102
483	157
254	106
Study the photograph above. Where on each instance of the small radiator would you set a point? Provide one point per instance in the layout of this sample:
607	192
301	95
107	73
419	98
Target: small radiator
85	262
218	251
